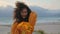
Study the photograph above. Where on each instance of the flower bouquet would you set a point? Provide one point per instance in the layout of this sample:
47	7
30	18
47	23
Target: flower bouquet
24	27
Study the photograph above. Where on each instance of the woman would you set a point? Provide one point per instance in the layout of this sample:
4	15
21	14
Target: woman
23	14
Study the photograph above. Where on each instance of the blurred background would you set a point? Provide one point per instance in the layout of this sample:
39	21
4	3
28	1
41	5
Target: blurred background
48	12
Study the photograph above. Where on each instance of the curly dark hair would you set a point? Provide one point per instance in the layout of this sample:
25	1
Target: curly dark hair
19	7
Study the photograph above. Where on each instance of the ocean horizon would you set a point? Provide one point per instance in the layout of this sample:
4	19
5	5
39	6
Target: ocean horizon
49	25
9	20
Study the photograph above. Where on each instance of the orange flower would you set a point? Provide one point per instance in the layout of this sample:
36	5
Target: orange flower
24	26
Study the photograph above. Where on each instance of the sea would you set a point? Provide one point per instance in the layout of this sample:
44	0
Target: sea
9	20
5	23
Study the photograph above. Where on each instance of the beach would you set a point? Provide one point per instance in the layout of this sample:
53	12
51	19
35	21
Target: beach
47	28
4	29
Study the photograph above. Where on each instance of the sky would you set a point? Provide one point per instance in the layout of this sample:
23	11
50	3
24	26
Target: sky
47	4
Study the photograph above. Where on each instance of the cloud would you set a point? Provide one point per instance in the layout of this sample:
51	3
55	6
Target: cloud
47	4
5	3
50	4
31	2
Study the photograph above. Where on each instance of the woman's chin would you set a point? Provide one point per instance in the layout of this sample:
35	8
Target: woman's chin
23	17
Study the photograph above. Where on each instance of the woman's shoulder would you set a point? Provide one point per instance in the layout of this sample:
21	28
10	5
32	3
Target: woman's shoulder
33	13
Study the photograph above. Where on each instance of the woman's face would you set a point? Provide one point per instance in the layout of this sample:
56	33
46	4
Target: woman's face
24	13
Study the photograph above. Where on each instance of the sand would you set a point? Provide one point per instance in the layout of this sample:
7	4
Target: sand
4	29
47	28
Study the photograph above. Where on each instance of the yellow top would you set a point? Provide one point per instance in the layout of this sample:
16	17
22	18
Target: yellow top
32	21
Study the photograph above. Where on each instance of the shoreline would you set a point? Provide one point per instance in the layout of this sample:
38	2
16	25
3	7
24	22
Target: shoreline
48	28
